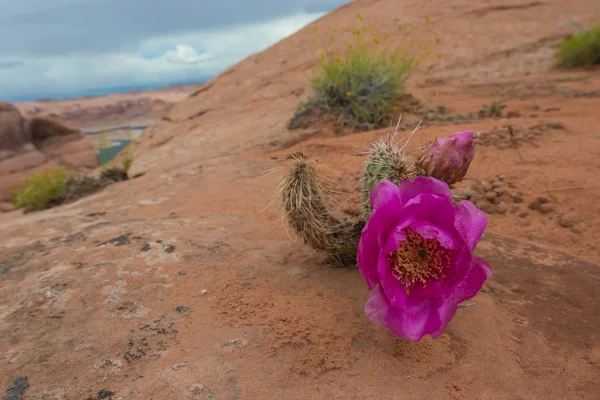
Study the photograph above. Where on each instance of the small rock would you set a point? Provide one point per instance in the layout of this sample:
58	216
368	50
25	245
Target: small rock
497	200
546	207
176	367
196	388
567	220
543	199
497	184
490	196
515	209
523	214
486	186
500	190
513	114
517	199
203	292
488	208
238	342
501	209
183	310
576	229
534	205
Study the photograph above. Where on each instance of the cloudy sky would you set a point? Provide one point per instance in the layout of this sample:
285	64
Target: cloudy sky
63	48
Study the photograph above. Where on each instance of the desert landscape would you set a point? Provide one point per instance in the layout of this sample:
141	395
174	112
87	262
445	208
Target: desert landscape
187	282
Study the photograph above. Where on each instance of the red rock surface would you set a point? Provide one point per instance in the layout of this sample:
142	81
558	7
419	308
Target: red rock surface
186	284
102	112
31	146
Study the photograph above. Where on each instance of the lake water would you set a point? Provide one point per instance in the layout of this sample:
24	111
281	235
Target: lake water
106	154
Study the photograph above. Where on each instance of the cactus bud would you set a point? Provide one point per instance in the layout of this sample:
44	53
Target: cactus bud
448	158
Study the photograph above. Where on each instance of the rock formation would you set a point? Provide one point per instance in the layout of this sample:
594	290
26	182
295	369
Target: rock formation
30	146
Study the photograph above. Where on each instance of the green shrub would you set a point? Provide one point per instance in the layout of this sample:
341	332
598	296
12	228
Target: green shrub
41	190
580	50
362	88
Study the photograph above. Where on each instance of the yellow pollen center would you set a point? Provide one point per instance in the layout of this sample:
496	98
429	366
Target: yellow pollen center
418	260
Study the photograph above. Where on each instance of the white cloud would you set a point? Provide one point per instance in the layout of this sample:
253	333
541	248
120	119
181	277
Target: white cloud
191	56
186	54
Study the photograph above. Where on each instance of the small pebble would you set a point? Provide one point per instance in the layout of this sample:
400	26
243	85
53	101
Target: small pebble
500	190
490	195
523	214
567	220
517	199
497	184
546	208
497	200
488	208
486	186
501	209
196	388
534	205
203	291
576	229
543	199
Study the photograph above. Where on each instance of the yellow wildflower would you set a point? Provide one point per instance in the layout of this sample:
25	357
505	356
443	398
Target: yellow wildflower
348	94
376	39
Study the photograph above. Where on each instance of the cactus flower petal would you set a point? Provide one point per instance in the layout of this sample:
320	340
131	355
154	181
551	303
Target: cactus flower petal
416	255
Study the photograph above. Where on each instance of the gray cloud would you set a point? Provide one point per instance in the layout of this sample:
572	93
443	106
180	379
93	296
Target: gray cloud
51	27
10	64
61	48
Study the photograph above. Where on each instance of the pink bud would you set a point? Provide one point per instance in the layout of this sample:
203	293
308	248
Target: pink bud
448	158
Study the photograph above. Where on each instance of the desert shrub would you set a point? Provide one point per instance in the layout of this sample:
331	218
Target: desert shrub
359	87
580	50
362	88
41	190
56	186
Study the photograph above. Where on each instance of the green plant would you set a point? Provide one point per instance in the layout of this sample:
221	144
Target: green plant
362	88
42	190
493	111
362	84
580	50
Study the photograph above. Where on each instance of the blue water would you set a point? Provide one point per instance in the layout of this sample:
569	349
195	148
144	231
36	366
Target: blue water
107	154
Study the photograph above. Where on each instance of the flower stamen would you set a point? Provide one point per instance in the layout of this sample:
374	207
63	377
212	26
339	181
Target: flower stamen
419	260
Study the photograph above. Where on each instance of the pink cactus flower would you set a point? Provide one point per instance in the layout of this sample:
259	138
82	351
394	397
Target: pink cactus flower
416	252
448	158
